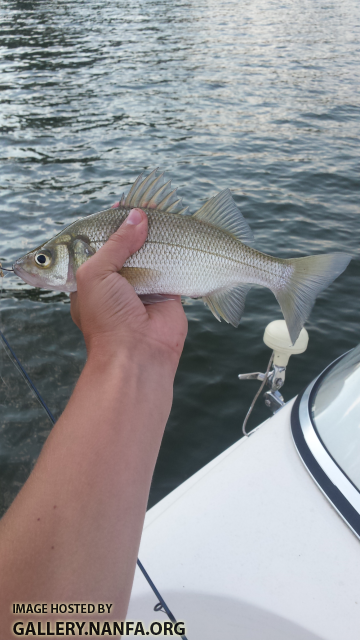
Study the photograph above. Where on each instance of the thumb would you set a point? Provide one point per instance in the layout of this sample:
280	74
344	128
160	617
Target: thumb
121	245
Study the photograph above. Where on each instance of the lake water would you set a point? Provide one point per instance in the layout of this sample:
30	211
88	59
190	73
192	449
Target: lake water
260	96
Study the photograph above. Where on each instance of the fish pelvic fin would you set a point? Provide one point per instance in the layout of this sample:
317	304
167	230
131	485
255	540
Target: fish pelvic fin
222	212
154	298
309	276
228	303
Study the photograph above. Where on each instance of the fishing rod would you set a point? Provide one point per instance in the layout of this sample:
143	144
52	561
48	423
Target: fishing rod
161	605
27	378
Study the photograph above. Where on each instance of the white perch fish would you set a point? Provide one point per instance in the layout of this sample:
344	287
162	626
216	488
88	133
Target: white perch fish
205	255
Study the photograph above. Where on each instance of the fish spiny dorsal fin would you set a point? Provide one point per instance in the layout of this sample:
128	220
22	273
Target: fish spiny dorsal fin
152	189
183	211
159	195
120	202
222	212
132	192
228	303
152	193
174	208
168	201
136	199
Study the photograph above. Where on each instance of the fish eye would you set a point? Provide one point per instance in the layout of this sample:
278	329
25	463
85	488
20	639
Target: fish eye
43	258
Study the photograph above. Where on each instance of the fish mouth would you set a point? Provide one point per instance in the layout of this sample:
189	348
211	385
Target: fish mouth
26	276
34	280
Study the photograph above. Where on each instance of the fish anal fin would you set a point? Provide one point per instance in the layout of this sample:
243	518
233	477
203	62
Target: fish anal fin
209	303
228	303
152	192
222	212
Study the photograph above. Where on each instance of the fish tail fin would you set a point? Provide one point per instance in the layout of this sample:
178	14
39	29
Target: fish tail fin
308	277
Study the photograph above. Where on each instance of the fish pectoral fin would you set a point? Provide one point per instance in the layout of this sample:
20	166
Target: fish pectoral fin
222	212
228	303
154	298
139	276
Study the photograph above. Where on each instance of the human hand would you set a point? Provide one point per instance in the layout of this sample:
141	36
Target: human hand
110	314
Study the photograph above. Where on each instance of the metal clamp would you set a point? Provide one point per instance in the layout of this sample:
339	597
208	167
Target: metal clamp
274	400
275	380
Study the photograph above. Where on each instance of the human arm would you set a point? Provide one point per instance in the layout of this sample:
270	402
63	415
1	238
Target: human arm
73	532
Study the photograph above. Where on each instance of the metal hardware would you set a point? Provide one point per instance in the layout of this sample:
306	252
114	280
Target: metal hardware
159	607
264	380
276	337
274	400
274	379
251	376
4	269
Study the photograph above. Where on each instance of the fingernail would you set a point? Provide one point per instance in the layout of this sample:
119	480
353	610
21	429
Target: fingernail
134	217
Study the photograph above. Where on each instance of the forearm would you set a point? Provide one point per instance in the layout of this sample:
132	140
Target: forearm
72	534
74	529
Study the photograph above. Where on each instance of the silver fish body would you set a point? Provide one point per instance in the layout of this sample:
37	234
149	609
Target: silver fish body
205	255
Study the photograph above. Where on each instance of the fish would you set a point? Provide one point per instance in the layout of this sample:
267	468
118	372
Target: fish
206	255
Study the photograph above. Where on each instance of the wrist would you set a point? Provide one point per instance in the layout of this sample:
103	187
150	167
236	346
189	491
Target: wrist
137	375
132	353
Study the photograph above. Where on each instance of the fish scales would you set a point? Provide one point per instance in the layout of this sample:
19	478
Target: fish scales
193	258
186	256
206	255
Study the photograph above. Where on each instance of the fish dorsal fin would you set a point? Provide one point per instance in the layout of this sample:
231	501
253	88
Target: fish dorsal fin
222	212
153	192
132	192
228	303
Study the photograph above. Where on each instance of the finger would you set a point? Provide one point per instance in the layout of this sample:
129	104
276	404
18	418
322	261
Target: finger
121	245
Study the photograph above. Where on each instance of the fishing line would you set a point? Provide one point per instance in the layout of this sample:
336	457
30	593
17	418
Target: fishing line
2	360
14	359
17	362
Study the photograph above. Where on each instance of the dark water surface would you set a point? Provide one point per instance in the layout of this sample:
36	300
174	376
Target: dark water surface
259	96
